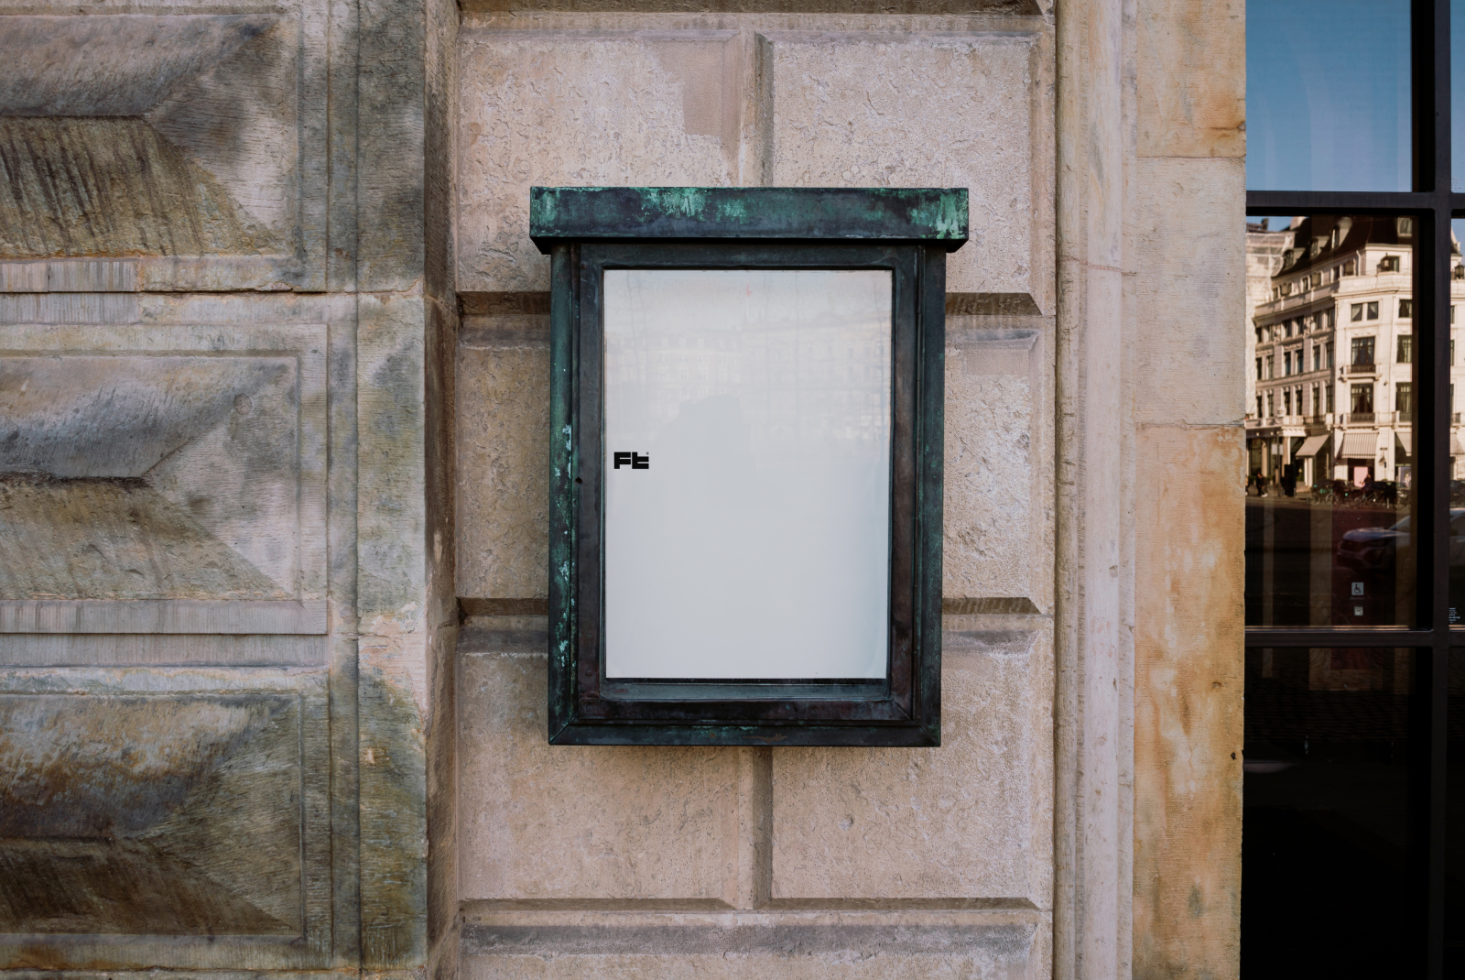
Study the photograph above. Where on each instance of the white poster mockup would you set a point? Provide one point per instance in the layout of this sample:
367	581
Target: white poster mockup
747	473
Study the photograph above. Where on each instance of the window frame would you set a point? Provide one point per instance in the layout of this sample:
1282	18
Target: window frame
1431	203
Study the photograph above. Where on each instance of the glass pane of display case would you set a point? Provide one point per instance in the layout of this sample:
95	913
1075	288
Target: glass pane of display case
747	467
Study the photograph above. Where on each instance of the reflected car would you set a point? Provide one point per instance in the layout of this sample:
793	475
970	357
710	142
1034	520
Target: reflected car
1375	549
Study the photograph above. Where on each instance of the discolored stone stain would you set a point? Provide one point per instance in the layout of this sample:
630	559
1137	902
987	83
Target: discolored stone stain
110	186
1188	707
114	766
117	65
128	814
81	415
115	887
113	539
393	826
401	375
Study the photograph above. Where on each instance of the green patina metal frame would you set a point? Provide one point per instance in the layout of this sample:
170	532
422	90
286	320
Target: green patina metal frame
906	231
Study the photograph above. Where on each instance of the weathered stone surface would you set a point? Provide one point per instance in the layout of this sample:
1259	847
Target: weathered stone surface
998	500
160	465
80	187
732	946
1190	70
556	822
1189	568
866	7
162	806
503	458
971	819
112	65
1190	279
862	109
184	144
113	539
590	109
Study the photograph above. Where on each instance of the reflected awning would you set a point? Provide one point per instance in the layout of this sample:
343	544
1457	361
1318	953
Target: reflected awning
1359	445
1311	446
1406	443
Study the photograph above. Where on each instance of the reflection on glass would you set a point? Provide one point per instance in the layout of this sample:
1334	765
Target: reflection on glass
1327	95
1329	422
1455	820
747	473
1457	94
1324	818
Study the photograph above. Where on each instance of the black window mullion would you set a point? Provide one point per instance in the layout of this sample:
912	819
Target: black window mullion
1338	202
1430	59
1430	54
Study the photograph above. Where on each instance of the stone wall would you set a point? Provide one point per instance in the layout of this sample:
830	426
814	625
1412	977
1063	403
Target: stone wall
621	861
226	518
273	420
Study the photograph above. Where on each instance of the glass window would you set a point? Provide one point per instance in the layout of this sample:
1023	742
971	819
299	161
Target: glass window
1373	310
1406	308
1361	400
1404	399
1325	811
1405	353
1455	817
1327	95
1355	312
1362	352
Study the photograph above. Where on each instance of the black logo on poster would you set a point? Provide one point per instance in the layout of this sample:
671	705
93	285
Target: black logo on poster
634	460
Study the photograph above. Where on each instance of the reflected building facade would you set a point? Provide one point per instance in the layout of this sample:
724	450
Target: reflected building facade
1331	345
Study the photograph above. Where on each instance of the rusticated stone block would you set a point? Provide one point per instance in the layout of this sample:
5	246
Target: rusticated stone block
162	479
824	945
968	820
558	822
183	146
589	109
998	499
1191	84
503	458
1188	705
193	806
926	110
1187	274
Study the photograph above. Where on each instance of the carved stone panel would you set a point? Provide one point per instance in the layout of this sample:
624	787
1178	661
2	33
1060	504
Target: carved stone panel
998	502
162	480
137	805
167	150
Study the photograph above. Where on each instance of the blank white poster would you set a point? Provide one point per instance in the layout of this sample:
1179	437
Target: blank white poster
747	473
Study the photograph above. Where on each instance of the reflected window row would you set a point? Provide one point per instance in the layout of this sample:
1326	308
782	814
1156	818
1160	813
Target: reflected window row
1330	506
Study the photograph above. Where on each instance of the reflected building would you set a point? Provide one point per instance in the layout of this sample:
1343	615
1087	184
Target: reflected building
1331	344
